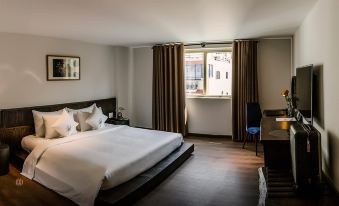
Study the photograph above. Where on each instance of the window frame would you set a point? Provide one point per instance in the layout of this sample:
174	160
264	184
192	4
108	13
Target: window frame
205	51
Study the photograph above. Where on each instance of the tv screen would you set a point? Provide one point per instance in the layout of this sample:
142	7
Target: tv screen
304	89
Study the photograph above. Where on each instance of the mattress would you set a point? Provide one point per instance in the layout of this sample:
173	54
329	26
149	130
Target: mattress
104	158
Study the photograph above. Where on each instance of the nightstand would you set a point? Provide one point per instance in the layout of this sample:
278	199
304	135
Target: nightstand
4	159
115	121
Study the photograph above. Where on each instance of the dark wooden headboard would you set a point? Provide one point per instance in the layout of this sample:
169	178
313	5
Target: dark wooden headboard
18	122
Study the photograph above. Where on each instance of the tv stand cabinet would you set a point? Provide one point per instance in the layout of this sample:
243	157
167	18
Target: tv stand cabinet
276	142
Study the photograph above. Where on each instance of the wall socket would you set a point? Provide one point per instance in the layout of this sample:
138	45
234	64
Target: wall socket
110	115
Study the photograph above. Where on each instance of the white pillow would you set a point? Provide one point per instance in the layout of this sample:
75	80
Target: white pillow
65	124
75	112
82	117
97	119
86	109
39	122
49	120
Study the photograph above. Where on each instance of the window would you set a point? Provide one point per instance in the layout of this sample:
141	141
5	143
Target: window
215	65
194	73
210	71
217	75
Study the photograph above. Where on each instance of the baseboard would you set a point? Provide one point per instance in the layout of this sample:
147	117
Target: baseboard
208	135
195	134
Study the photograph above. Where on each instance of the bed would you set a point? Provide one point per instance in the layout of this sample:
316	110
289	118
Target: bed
141	158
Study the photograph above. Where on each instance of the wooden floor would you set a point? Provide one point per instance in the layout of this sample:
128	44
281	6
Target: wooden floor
16	190
218	173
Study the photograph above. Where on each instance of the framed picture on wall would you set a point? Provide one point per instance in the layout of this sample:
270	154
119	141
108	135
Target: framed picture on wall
63	67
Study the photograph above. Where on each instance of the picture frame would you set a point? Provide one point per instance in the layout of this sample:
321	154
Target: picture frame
61	67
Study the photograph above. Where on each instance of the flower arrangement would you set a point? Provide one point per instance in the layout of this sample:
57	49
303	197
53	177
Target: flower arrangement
285	93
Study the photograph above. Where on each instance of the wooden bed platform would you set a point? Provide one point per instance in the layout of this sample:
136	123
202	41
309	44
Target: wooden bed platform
131	191
17	123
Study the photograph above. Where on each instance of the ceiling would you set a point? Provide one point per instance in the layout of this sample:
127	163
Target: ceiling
145	22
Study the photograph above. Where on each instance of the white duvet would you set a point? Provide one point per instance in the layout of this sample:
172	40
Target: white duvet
80	165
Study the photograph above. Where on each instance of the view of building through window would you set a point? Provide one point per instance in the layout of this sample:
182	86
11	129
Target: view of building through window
194	73
218	73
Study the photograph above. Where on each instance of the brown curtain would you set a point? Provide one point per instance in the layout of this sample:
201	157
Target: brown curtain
168	88
245	84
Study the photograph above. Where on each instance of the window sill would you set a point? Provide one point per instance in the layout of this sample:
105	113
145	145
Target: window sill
207	97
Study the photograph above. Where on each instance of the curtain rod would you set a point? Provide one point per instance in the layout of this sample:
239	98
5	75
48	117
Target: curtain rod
203	44
255	40
164	44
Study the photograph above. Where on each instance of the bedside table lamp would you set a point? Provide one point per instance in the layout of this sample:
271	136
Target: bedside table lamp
4	159
288	99
119	114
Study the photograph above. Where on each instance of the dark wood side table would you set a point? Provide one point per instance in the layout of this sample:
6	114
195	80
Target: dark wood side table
4	159
277	152
115	121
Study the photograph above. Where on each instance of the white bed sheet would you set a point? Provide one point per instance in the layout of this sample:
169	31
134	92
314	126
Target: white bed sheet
29	142
80	165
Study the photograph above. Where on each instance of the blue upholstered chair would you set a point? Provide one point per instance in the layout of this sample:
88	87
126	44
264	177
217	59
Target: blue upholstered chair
253	118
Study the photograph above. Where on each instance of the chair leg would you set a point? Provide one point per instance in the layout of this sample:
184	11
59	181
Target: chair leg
245	140
256	145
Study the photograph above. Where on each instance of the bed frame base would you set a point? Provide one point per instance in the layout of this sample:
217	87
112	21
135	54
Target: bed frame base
129	192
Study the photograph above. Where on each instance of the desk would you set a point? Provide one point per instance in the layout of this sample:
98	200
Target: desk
277	152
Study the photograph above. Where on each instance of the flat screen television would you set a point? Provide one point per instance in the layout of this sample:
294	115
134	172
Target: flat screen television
304	90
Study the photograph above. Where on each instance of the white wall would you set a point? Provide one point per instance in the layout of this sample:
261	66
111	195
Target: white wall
205	116
214	116
274	72
209	116
142	88
23	71
316	42
122	81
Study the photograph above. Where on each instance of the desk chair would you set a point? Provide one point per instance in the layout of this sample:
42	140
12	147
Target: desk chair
253	118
